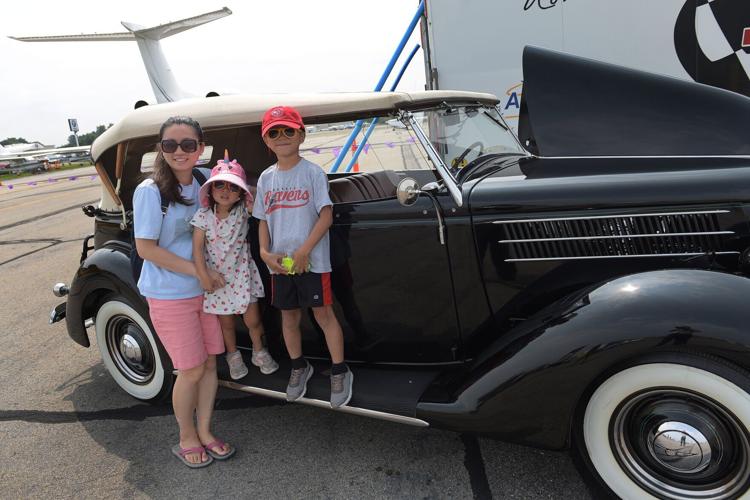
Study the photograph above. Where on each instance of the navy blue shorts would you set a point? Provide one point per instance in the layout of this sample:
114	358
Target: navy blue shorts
297	291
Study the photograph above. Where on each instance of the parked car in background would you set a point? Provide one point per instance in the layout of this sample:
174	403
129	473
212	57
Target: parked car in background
583	285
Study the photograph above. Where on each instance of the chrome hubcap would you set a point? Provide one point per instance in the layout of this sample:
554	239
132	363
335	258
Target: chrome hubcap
678	444
130	349
680	447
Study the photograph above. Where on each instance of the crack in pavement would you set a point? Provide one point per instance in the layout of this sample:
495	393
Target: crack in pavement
53	242
44	216
32	240
136	413
474	463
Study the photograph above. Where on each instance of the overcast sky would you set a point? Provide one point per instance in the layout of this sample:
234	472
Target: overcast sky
264	46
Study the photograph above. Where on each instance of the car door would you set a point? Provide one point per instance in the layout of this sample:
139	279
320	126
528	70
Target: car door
391	284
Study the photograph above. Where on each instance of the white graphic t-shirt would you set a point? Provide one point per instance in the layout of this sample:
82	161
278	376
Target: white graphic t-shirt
290	202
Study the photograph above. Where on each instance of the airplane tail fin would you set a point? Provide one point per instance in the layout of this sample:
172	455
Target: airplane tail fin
160	75
168	29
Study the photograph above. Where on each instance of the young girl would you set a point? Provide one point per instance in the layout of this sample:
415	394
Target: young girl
221	228
169	281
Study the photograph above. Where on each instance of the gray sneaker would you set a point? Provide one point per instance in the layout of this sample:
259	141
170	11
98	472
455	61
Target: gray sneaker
237	367
341	388
263	360
298	383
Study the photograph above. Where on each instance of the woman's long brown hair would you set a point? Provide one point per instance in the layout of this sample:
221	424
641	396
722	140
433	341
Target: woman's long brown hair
163	177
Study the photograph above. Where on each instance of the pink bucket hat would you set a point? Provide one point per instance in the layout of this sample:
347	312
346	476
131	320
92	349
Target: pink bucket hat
225	170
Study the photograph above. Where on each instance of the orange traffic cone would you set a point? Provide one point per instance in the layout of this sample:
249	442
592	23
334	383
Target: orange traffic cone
354	148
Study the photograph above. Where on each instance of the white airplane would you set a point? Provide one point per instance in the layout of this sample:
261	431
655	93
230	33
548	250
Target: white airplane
31	152
160	75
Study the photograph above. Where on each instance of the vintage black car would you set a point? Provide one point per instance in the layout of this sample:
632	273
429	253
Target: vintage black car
584	285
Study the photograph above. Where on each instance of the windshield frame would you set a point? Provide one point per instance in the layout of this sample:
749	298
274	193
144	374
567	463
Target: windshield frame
451	180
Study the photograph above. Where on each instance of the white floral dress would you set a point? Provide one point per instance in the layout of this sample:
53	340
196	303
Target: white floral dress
227	252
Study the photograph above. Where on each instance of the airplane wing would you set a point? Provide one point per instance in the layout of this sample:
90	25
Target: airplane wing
94	37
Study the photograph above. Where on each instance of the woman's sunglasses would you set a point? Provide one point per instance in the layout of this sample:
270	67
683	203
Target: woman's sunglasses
275	133
223	185
187	145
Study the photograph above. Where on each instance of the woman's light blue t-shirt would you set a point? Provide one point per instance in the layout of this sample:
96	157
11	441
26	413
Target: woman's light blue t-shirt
173	232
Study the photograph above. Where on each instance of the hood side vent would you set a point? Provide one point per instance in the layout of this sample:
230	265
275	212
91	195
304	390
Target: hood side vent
616	236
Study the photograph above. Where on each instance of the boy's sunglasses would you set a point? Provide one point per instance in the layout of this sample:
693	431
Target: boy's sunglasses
223	184
187	145
289	132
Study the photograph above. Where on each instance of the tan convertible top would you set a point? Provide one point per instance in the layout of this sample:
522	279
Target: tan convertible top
248	109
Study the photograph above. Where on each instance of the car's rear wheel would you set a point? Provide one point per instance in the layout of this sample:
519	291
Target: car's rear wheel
130	350
676	429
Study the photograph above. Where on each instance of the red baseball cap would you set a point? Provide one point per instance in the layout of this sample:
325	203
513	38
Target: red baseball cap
281	115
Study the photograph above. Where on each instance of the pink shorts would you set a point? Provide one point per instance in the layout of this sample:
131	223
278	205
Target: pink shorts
187	333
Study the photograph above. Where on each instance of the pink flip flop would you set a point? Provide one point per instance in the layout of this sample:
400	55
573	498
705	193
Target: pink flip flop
219	444
181	452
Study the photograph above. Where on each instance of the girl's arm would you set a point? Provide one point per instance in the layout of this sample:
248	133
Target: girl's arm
199	259
272	260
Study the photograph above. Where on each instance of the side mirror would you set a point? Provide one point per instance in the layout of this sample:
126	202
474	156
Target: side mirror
407	191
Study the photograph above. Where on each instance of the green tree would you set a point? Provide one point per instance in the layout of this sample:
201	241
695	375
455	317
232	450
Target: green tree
88	138
13	140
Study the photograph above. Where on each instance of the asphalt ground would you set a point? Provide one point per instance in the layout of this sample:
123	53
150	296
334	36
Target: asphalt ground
67	431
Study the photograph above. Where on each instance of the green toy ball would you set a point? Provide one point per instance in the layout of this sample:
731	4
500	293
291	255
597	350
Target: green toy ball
288	264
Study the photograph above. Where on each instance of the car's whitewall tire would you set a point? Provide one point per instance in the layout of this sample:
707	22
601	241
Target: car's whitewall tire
130	351
671	430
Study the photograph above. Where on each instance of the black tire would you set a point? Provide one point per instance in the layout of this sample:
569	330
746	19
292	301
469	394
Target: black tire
131	351
672	428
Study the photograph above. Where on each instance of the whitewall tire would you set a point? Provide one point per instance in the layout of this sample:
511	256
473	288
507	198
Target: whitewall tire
130	351
670	430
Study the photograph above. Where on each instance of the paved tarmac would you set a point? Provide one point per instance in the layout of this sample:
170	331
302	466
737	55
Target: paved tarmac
67	431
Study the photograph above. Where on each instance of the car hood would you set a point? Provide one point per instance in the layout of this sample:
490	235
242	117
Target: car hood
572	106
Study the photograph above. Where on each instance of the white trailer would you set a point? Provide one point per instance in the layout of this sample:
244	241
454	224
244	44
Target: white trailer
477	44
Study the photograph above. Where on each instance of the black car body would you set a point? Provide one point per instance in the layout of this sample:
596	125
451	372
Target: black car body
584	286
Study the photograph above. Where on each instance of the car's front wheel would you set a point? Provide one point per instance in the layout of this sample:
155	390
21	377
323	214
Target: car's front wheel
676	429
130	350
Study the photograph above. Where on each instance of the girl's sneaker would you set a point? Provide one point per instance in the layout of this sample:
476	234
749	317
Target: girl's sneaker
263	360
237	367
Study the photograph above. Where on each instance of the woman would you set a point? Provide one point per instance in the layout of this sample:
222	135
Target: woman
169	282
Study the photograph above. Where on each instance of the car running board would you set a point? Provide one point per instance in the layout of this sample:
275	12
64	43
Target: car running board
386	393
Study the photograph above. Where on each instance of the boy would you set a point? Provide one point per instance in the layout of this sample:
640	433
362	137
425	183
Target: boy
295	213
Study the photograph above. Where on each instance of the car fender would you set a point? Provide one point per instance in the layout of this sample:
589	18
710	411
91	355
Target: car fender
106	270
526	386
